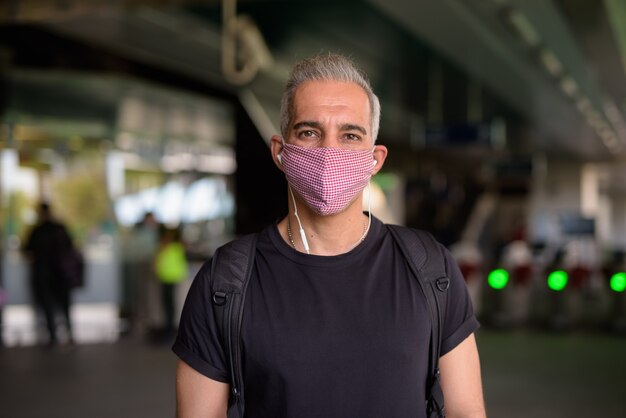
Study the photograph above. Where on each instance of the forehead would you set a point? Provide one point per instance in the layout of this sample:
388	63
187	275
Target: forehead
330	98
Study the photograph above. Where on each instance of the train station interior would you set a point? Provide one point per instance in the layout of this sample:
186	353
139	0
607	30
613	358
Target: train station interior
506	129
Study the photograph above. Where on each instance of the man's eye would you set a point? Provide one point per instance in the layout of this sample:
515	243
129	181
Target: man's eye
308	134
352	137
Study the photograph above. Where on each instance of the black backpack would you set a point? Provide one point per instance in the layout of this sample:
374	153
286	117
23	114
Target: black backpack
70	263
230	274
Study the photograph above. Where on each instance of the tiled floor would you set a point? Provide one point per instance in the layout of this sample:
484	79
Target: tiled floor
537	375
525	374
129	378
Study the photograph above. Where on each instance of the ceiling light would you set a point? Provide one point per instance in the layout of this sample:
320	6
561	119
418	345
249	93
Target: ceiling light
616	118
583	104
550	62
524	28
569	86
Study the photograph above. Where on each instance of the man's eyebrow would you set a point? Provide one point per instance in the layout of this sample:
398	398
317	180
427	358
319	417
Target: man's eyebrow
318	125
353	127
308	124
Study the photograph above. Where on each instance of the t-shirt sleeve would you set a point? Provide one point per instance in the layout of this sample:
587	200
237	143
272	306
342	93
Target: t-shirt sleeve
198	342
460	321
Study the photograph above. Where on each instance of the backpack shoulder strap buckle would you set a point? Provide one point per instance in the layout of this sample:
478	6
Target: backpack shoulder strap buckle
442	283
220	298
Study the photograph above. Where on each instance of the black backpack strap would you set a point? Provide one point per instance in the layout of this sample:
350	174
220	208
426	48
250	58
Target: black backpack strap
428	265
230	274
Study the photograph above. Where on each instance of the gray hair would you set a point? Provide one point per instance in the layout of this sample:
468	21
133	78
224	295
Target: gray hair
330	67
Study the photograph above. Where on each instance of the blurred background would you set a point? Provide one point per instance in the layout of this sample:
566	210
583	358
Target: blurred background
507	136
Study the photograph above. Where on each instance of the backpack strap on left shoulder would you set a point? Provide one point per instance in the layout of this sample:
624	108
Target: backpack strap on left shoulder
427	263
230	274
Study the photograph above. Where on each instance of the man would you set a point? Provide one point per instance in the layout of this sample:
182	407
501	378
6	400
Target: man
46	245
334	324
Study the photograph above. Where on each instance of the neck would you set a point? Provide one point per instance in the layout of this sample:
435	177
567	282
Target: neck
325	235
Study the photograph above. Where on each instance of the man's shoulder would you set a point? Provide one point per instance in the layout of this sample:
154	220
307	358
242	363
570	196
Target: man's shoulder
51	225
245	240
242	241
231	260
46	228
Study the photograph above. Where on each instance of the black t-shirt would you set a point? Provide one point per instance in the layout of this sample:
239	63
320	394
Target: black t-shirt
328	336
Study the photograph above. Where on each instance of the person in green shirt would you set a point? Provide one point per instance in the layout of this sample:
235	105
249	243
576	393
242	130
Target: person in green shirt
171	268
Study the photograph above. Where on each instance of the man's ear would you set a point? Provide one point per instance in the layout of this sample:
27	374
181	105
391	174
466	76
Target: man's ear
380	154
276	147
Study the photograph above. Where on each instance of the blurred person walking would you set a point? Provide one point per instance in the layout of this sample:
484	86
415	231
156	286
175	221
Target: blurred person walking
170	267
140	288
55	268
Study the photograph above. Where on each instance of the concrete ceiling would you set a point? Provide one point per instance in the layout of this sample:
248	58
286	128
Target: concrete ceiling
556	64
483	38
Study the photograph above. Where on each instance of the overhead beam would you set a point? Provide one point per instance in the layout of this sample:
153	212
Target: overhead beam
616	11
32	11
473	36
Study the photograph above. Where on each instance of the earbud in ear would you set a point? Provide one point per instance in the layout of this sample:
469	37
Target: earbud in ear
280	158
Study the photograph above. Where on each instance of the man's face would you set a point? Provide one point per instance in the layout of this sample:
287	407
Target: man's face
330	114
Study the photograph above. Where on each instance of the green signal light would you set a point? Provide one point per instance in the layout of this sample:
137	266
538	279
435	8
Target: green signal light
618	282
557	280
498	279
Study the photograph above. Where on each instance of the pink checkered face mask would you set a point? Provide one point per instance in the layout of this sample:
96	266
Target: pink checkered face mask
328	179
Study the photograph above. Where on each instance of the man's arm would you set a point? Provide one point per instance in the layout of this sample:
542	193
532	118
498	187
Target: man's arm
197	396
460	381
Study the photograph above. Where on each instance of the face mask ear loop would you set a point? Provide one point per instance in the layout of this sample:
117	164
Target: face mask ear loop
369	207
302	234
280	154
369	200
